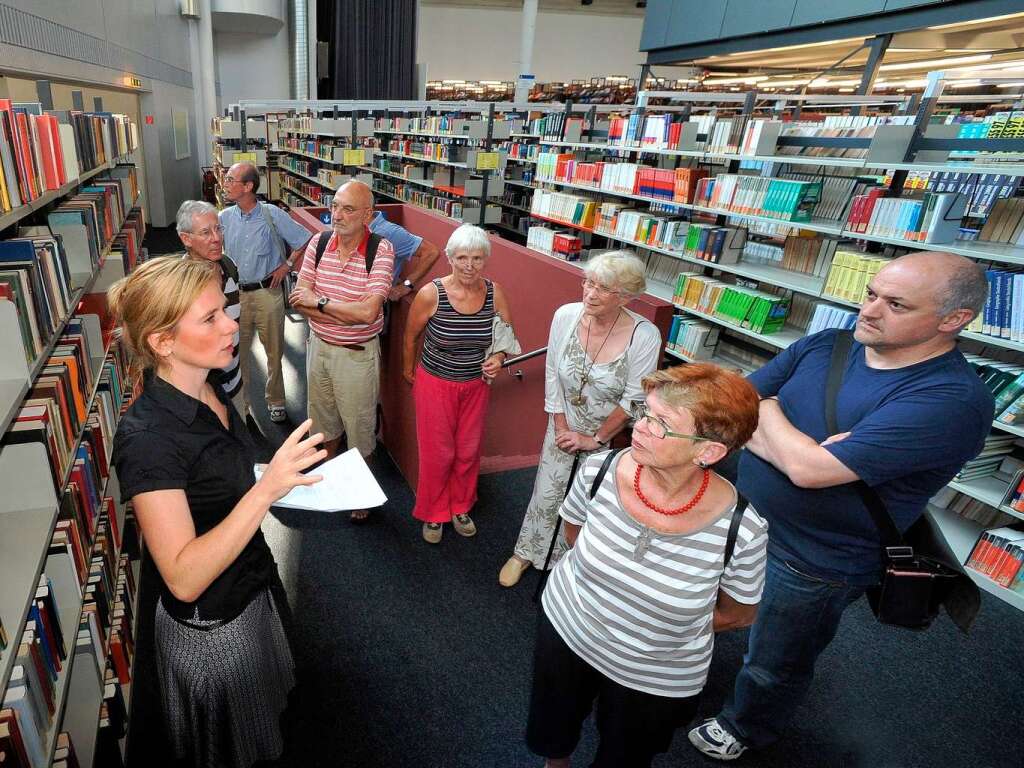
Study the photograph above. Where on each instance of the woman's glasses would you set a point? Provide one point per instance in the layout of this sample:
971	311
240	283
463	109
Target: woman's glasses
658	428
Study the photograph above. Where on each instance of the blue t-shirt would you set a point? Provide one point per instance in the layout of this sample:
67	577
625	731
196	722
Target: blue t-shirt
402	240
912	430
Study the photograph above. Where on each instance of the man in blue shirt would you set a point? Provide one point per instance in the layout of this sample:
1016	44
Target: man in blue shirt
414	256
264	243
910	411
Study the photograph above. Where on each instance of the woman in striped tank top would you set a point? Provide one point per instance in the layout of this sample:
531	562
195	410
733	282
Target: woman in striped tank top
451	383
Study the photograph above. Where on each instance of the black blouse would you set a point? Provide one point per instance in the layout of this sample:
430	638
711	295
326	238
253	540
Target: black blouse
169	440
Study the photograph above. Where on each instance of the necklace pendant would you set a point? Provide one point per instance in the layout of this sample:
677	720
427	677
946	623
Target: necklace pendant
643	541
579	399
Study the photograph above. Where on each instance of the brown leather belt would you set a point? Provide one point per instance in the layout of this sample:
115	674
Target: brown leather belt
354	347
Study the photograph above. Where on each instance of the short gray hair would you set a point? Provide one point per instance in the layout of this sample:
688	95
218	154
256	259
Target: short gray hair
188	211
966	288
619	270
468	237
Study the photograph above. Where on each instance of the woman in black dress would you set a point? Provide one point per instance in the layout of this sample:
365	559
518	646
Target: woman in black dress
185	459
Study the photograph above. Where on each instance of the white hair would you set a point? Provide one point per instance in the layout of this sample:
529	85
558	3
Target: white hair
468	237
618	270
188	211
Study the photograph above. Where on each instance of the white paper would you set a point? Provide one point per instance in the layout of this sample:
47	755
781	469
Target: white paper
347	484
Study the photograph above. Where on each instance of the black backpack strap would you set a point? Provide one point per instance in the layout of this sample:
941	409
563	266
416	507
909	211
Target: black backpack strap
734	527
887	529
321	246
599	477
372	243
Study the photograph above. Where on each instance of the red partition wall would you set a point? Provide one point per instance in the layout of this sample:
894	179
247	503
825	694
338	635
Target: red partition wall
536	285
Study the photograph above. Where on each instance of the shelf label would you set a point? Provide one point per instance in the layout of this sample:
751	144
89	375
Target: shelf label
244	157
487	161
354	157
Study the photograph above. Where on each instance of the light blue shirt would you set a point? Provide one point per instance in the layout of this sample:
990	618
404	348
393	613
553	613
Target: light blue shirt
249	242
404	242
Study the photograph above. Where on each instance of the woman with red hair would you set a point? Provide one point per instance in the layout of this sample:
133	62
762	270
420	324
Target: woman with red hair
664	555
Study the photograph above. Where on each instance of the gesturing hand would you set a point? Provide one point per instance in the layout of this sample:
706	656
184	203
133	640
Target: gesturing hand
295	455
278	275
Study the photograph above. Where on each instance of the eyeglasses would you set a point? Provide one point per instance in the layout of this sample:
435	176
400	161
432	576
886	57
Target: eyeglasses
600	290
230	179
348	210
205	233
658	428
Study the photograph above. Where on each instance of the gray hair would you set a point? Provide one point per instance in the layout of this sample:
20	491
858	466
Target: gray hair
188	211
966	288
468	237
619	270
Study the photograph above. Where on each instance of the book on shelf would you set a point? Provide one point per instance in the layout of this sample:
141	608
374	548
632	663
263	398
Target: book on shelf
784	199
755	310
571	209
850	273
64	755
998	554
693	338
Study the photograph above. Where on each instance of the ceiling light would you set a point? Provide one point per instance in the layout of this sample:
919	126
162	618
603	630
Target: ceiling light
964	84
802	45
784	83
931	63
734	80
1010	85
972	22
847	90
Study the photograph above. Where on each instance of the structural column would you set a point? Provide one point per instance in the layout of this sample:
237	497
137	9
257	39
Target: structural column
526	49
207	70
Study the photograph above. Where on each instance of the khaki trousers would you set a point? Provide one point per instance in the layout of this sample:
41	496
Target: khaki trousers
263	315
344	385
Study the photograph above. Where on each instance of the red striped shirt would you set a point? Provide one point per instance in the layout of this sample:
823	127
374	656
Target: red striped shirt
343	278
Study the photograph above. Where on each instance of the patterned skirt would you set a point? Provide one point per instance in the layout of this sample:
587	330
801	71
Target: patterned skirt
225	685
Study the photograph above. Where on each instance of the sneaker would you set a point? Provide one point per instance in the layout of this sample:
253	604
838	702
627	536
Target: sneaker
716	742
463	525
278	414
512	571
432	533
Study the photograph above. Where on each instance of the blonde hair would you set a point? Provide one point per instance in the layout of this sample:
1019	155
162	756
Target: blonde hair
152	299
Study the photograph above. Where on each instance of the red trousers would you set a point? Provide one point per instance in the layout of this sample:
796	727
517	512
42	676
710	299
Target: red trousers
449	430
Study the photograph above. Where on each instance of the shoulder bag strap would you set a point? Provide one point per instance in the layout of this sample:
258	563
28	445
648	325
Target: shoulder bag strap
890	534
599	477
273	228
321	246
734	527
372	243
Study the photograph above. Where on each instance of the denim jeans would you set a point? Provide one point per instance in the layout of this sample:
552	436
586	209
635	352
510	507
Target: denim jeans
797	618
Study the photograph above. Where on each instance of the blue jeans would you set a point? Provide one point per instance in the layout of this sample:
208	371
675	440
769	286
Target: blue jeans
796	620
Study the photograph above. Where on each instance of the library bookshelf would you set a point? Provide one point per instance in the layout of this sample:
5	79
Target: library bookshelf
61	498
891	148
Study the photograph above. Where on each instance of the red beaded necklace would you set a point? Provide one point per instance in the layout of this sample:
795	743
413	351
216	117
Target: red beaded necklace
685	508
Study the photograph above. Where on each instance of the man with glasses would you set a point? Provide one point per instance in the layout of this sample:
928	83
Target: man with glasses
344	281
203	237
258	237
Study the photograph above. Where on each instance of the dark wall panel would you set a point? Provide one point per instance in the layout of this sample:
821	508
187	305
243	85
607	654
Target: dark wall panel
695	20
817	11
656	24
748	17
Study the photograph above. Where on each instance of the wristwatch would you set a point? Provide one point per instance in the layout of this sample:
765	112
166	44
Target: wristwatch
321	303
408	284
599	441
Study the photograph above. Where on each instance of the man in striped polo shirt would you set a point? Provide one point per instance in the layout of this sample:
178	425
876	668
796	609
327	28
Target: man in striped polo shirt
343	298
203	237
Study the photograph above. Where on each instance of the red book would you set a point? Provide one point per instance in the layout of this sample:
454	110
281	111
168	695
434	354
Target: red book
50	173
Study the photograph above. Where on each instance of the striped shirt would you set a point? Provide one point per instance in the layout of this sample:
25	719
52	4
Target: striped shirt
637	604
344	278
455	343
232	380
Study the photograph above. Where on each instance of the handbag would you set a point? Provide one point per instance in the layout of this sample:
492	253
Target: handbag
503	339
920	573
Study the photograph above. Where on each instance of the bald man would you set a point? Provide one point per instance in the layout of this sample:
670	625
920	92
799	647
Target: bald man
343	294
910	412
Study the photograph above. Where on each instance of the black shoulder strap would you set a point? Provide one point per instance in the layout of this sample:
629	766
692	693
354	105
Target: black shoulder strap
372	243
887	529
734	527
321	246
599	477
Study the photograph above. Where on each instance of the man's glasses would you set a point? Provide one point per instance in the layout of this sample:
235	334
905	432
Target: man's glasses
658	428
600	290
348	210
205	233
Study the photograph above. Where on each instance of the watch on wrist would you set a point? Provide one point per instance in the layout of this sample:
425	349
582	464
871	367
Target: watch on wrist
321	303
599	441
408	284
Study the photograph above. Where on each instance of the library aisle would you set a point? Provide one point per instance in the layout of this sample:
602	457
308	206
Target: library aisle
414	657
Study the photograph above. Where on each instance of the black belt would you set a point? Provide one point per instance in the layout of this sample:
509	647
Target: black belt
264	283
